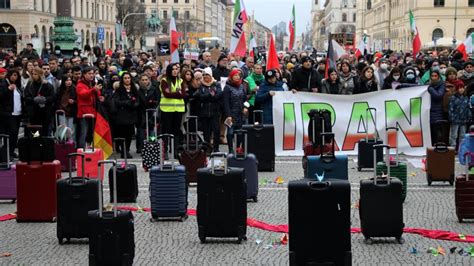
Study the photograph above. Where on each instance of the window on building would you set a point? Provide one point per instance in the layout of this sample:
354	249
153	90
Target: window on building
369	4
437	34
175	1
82	7
186	14
165	14
344	17
186	1
142	1
469	32
154	12
175	14
354	16
50	6
87	10
471	3
316	2
42	6
5	4
439	3
164	1
153	1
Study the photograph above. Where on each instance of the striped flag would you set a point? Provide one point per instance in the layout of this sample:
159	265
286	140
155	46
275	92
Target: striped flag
415	35
331	57
466	47
238	43
252	45
102	133
174	40
361	47
292	27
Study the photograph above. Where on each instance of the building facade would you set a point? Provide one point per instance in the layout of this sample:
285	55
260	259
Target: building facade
387	23
31	21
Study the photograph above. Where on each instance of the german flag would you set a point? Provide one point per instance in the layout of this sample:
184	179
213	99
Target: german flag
102	133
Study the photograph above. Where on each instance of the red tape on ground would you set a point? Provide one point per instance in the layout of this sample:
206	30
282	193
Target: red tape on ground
283	228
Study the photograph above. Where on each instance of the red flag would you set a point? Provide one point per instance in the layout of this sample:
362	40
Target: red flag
272	61
102	133
291	28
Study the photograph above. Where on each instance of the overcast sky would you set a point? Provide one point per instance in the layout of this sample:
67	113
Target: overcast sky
271	12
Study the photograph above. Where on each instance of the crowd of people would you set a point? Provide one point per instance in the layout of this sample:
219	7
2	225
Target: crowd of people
222	94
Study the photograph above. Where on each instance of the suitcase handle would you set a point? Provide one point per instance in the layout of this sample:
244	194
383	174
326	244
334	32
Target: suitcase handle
237	133
170	138
84	116
155	114
441	147
222	155
387	163
188	144
316	185
396	129
124	146
189	134
376	135
114	178
6	139
256	124
70	156
328	158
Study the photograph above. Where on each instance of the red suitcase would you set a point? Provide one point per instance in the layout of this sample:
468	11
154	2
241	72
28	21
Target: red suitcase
92	158
193	157
36	191
7	171
464	194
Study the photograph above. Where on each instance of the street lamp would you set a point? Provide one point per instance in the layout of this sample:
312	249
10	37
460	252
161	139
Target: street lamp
455	21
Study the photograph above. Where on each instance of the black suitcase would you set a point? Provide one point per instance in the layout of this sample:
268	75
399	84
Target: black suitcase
36	148
261	142
222	201
112	234
365	154
381	205
127	183
319	222
76	196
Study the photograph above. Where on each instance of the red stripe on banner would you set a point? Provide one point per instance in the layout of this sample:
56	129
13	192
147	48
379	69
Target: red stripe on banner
283	228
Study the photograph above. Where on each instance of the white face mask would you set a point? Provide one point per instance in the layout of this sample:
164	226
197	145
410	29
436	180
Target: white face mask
396	77
76	53
133	74
417	73
384	66
442	71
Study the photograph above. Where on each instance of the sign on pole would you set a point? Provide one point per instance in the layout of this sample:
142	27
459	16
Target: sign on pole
101	34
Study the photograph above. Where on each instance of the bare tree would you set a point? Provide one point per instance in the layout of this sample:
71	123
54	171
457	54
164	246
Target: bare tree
134	25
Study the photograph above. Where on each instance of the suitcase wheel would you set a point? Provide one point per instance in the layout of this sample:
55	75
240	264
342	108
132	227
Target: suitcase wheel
255	199
460	220
400	240
13	201
359	169
203	239
54	220
239	240
368	241
60	240
183	218
428	178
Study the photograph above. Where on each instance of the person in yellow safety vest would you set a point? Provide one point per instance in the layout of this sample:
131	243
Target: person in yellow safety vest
172	106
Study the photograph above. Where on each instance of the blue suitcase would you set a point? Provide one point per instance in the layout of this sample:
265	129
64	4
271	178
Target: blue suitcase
168	189
327	165
248	162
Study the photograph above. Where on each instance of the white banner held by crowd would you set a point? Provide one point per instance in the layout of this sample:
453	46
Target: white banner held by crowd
408	108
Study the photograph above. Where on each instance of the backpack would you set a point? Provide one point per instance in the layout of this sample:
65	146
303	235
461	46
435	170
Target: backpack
63	134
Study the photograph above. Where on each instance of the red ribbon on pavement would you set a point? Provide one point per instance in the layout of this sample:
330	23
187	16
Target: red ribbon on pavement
283	228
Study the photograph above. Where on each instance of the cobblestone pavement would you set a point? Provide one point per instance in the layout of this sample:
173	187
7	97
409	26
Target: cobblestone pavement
177	243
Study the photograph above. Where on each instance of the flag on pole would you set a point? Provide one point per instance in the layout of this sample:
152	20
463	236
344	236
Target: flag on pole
331	56
361	47
466	47
102	133
272	61
252	45
174	41
415	35
338	50
238	43
292	27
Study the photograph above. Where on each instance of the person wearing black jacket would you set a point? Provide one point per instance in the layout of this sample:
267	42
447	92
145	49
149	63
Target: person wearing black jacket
39	101
151	97
306	78
367	81
128	101
208	98
393	81
66	100
221	71
11	107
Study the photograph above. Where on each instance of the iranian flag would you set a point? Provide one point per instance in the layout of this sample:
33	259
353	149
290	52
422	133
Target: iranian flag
291	27
174	41
238	44
361	47
415	35
252	45
466	47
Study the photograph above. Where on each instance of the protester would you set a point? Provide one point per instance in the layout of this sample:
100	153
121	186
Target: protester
306	78
332	85
254	80
234	109
66	101
265	95
367	81
437	90
393	81
11	107
348	78
459	115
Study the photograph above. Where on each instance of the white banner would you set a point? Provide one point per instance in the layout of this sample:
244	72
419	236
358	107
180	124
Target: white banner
408	108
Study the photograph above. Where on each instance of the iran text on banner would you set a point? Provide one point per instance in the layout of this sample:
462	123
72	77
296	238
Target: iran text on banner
408	108
238	44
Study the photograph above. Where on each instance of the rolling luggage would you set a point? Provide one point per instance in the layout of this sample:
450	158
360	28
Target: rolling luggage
36	191
261	142
222	201
365	155
76	197
440	162
34	147
248	162
380	205
112	233
92	158
316	126
328	165
7	172
464	193
64	145
168	189
151	146
319	222
127	180
193	157
398	168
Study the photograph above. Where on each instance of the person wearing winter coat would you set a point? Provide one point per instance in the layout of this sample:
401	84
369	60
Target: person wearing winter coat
234	98
128	101
11	106
66	101
208	98
306	78
367	81
254	80
332	85
393	81
151	97
436	89
459	115
39	101
265	95
467	76
452	82
348	78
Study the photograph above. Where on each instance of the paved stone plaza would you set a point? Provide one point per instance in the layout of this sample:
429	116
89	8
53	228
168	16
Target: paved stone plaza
177	243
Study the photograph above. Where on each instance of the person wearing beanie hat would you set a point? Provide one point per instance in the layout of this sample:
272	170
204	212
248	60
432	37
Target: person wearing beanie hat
3	74
222	70
452	82
459	114
290	66
437	90
265	95
208	98
305	78
235	105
